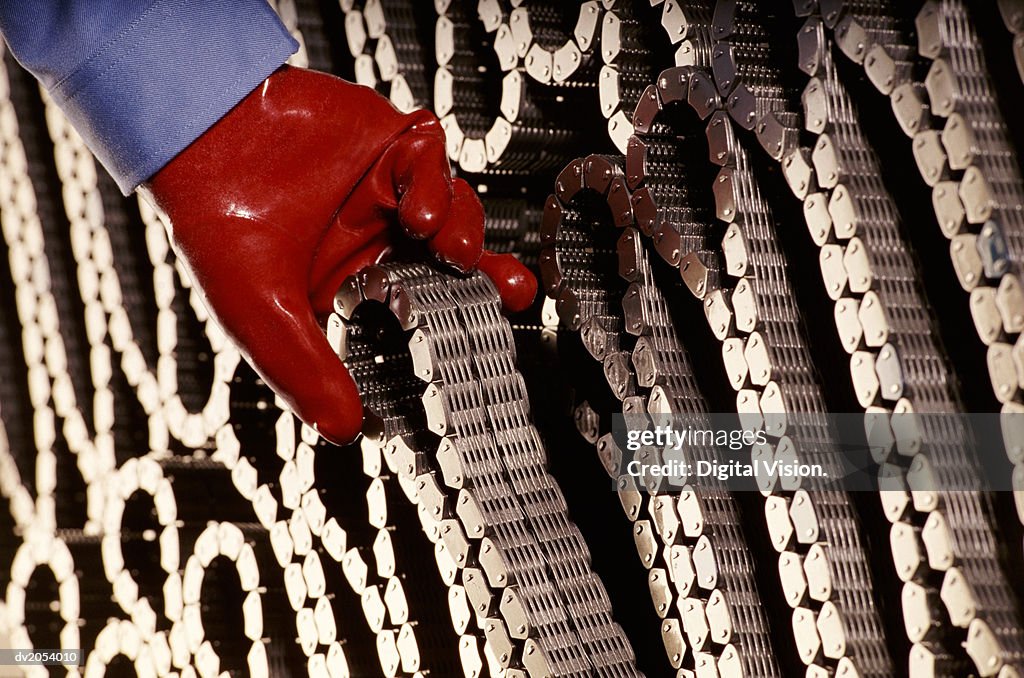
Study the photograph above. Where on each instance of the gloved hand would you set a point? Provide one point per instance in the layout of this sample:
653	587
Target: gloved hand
306	181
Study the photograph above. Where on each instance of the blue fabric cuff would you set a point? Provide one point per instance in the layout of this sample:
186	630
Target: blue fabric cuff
168	77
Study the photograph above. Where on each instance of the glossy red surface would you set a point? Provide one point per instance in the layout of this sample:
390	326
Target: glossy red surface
306	181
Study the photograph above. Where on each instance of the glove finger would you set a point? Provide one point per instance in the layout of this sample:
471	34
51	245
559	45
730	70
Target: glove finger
423	181
289	351
460	242
516	284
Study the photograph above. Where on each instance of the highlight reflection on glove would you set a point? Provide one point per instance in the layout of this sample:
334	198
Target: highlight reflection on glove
306	181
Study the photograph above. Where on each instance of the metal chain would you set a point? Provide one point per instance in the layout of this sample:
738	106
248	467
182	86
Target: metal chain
1012	13
748	302
897	364
633	50
389	51
700	573
540	31
526	127
512	225
544	609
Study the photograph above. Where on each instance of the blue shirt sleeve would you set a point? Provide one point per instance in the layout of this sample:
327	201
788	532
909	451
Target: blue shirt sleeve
142	79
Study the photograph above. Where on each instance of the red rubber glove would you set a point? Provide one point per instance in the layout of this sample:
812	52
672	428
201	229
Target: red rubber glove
306	181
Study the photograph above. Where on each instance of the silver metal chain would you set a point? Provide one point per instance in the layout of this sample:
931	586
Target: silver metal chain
524	565
1013	17
747	299
689	539
897	363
